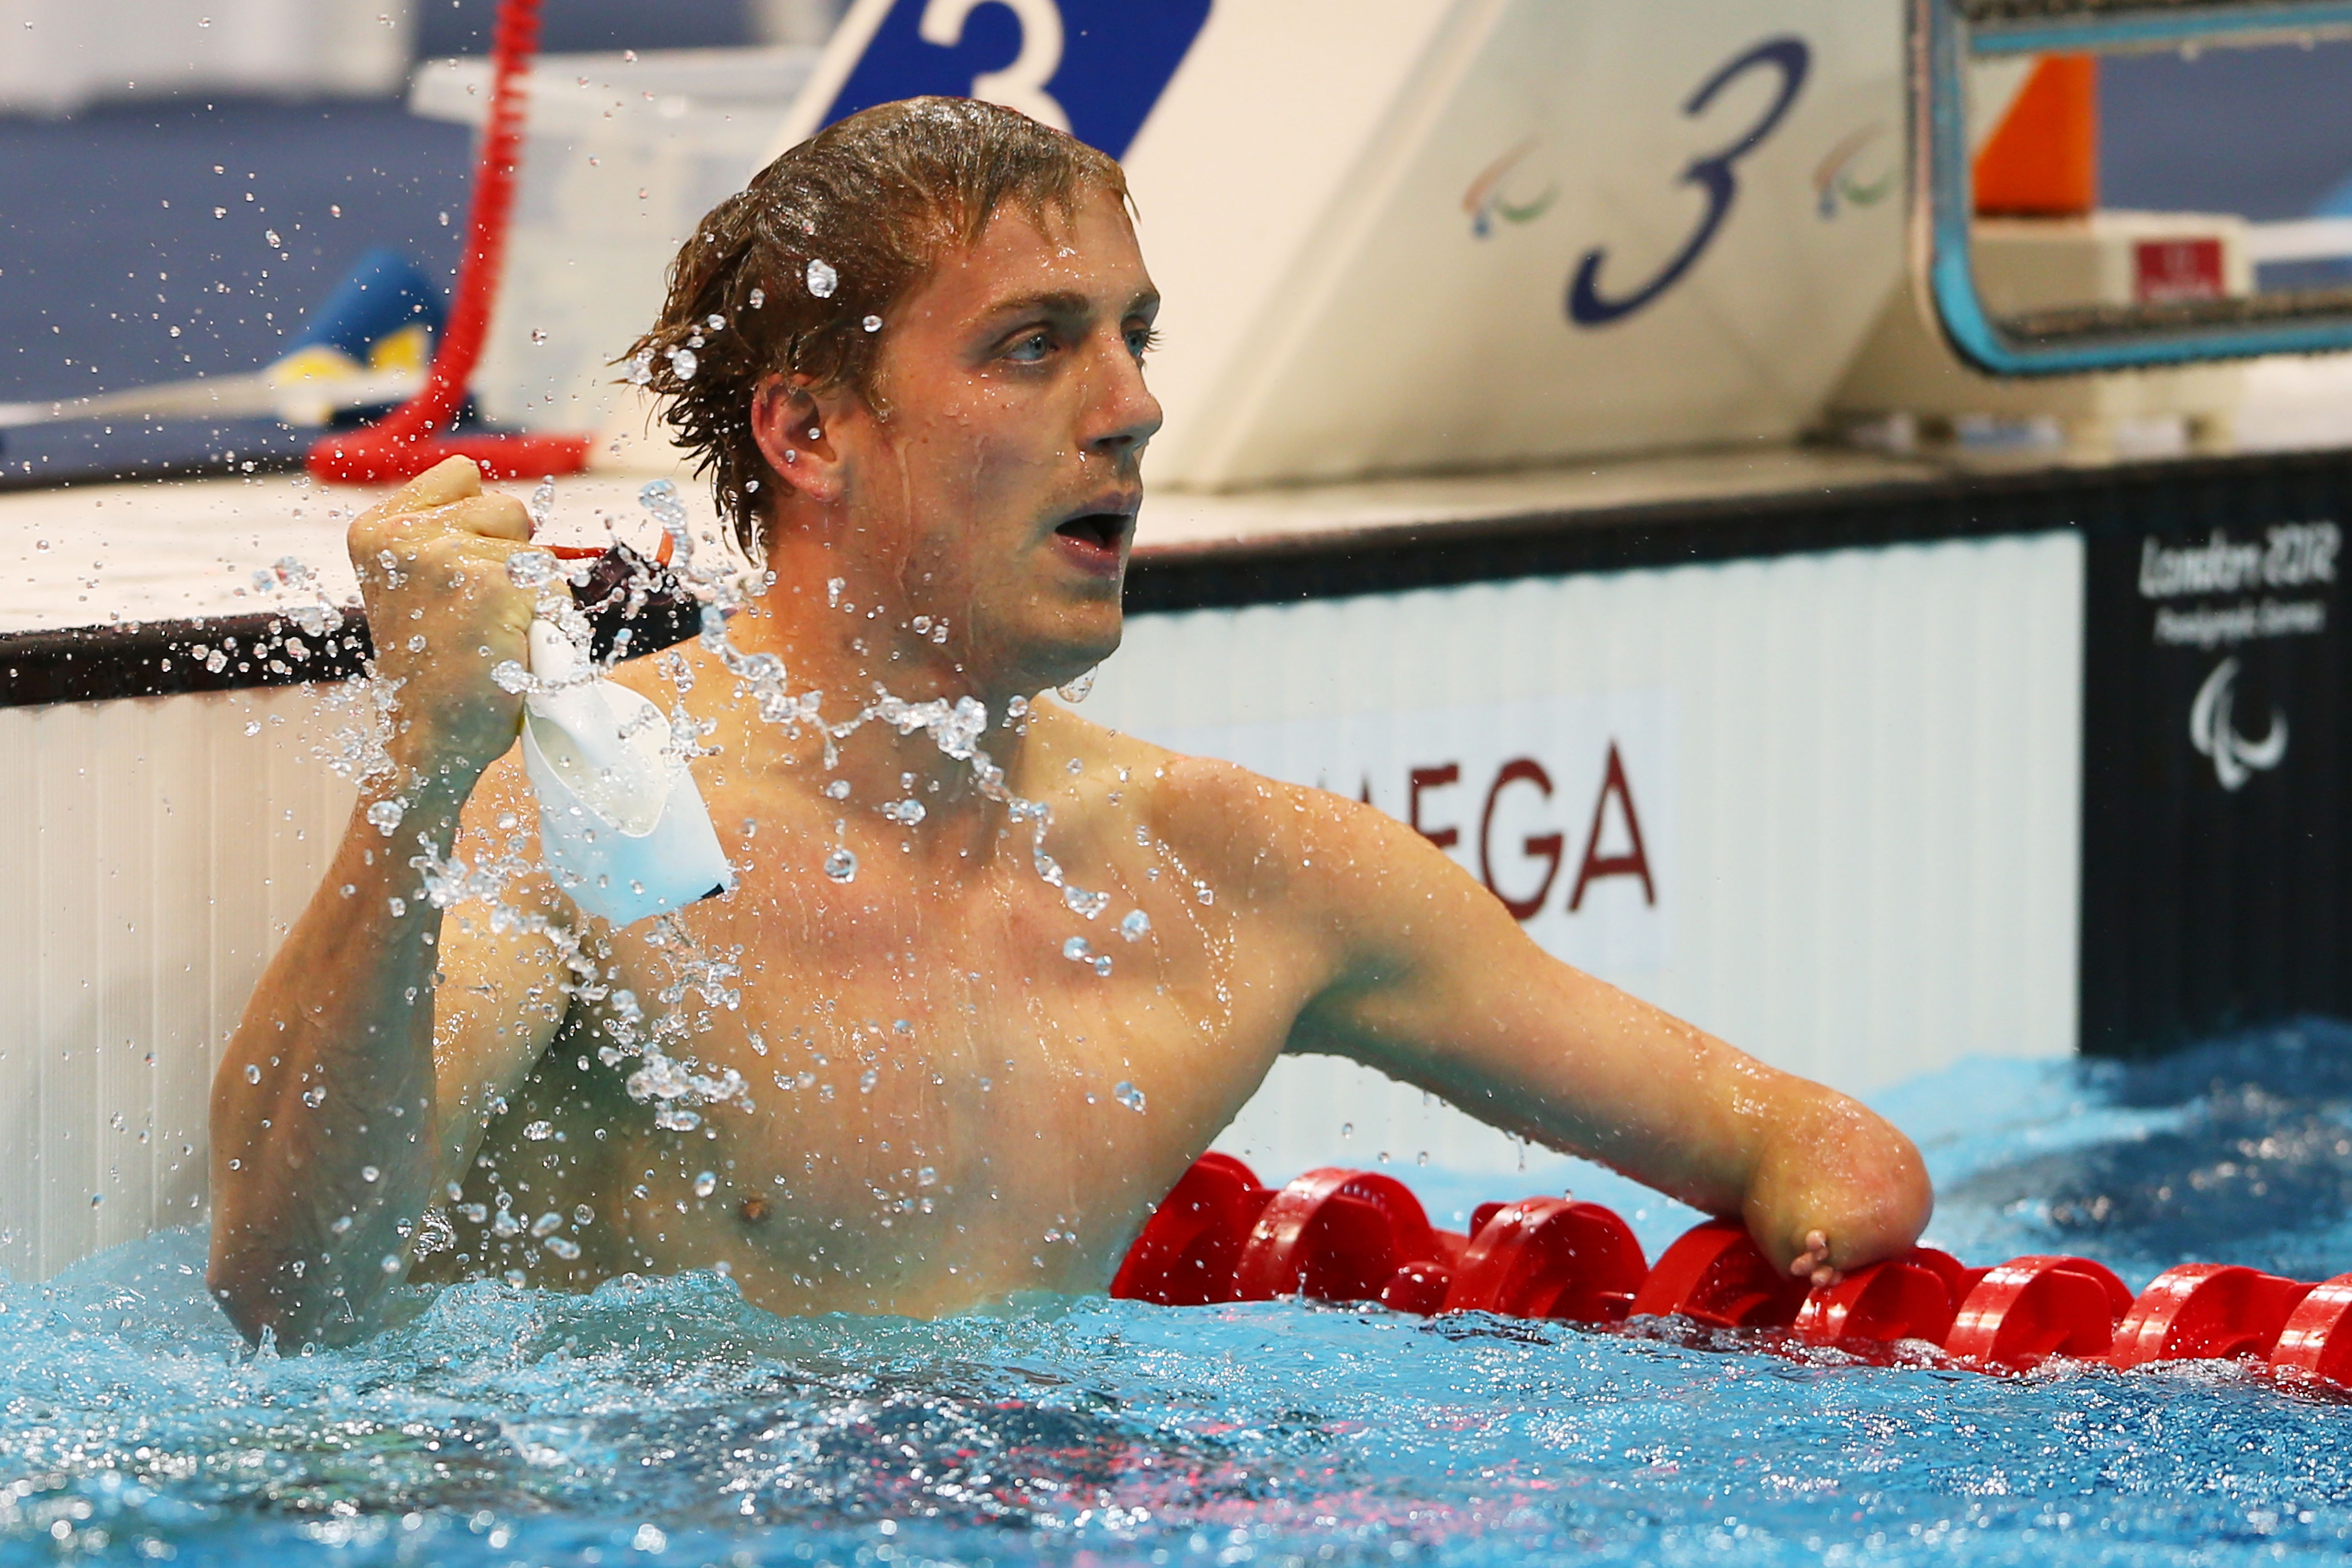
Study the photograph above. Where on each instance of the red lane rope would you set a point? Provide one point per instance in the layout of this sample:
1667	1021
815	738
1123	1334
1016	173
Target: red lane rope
1355	1235
412	437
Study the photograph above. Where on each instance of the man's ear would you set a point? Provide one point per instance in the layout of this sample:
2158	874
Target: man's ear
790	425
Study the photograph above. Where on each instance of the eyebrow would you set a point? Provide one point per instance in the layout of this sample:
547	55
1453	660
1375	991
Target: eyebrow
1063	302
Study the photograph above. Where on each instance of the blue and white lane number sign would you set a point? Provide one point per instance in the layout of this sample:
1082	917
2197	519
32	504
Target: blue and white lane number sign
1093	68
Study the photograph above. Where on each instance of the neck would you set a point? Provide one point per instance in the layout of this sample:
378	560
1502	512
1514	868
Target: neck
851	636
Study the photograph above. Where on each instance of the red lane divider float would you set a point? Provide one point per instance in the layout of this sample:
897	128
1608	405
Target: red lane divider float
1356	1235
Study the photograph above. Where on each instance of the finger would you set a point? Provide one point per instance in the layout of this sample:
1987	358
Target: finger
496	515
452	479
1814	1258
492	516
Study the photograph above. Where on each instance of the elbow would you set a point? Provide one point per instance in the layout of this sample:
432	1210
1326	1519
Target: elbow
259	1283
248	1310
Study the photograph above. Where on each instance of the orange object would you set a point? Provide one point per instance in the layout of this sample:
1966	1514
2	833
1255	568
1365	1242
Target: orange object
2042	160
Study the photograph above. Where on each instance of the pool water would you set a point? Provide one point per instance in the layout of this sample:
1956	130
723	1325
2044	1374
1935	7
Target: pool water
665	1421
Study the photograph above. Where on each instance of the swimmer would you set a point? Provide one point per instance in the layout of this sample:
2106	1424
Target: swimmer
918	385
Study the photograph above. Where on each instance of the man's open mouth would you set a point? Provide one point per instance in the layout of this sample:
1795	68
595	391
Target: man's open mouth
1095	539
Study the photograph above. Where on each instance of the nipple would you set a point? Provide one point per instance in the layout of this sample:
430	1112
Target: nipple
753	1208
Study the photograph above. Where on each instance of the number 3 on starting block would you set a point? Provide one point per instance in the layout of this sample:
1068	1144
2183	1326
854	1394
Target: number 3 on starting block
1093	68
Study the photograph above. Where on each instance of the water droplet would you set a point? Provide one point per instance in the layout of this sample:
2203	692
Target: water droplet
538	1132
1134	925
1078	949
370	1174
314	1097
837	790
715	323
1347	1130
539	335
583	1215
343	1224
535	568
705	1184
384	815
867	1080
872	323
684	363
1126	1094
822	279
1102	966
1076	690
759	298
390	1263
563	1246
252	1073
841	865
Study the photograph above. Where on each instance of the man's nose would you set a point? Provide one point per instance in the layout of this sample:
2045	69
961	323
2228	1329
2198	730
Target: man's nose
1125	415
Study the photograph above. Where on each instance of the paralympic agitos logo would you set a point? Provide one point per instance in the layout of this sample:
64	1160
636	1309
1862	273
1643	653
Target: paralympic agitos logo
2213	729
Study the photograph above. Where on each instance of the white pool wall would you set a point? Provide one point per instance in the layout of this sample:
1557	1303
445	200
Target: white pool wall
160	852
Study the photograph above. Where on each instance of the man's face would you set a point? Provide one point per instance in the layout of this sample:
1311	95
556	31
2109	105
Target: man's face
1001	489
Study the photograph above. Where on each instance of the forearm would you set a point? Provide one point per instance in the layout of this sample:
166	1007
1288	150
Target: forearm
1682	1112
324	1146
1556	1055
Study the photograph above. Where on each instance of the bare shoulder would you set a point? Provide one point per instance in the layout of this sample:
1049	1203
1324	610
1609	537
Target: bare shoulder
1271	843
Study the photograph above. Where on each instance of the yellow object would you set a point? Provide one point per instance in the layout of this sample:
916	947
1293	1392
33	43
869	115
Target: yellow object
411	348
319	362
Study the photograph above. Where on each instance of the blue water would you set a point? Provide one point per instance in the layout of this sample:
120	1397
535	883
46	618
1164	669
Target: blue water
667	1422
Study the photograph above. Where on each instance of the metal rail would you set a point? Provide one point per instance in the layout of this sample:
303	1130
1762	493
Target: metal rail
1944	36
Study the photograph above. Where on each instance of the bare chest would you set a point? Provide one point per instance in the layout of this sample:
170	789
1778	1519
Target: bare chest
872	1096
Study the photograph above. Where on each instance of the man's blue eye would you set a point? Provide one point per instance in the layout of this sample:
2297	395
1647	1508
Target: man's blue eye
1030	349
